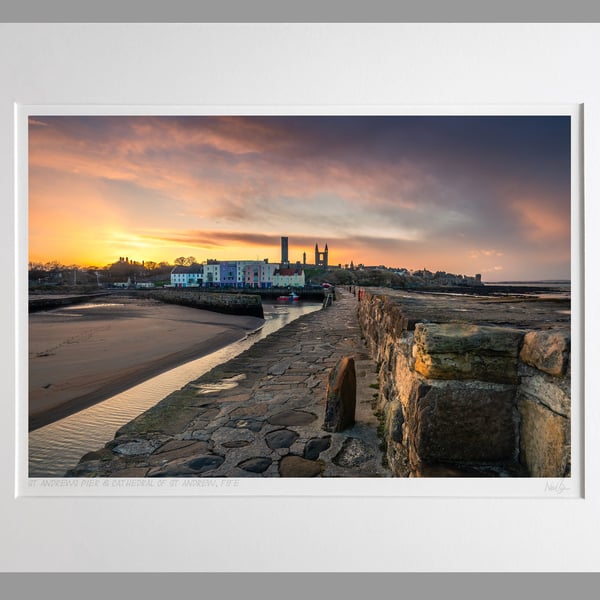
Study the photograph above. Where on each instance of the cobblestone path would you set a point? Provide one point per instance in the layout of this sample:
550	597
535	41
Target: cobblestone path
258	415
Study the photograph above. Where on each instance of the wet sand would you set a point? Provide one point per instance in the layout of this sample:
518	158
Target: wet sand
83	354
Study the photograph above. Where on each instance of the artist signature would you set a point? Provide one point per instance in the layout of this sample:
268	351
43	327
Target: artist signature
556	487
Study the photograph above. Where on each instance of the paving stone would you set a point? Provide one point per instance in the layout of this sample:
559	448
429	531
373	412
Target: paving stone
196	434
354	453
103	454
234	398
206	463
315	446
172	471
278	368
292	417
208	414
281	438
292	378
256	464
228	434
295	466
173	445
263	396
302	368
236	444
313	382
250	424
191	449
254	410
131	472
136	447
276	387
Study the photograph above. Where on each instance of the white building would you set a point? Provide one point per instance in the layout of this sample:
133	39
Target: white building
212	274
183	277
289	278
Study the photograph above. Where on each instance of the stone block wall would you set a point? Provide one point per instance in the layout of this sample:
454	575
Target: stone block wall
458	399
544	401
227	303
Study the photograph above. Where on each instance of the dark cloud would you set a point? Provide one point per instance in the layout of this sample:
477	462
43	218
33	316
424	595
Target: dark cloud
216	238
426	184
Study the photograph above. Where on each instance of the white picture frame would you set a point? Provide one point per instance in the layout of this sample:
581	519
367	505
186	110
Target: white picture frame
571	487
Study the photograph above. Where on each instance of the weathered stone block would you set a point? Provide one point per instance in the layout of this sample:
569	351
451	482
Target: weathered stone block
553	392
545	440
463	337
452	421
457	388
462	351
395	424
341	396
547	351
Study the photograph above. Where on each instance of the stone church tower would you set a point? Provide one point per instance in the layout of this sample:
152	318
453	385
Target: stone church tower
321	258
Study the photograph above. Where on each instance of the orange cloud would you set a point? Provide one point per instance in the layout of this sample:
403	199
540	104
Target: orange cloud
540	222
107	186
485	253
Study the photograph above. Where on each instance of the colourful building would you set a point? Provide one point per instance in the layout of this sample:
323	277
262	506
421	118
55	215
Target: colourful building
212	274
232	273
259	274
191	276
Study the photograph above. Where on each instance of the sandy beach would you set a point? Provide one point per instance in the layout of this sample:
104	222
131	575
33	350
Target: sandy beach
83	354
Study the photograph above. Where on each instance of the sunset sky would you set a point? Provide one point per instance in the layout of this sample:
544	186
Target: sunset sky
467	195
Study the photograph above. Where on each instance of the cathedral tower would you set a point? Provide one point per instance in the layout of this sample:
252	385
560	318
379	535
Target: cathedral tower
321	258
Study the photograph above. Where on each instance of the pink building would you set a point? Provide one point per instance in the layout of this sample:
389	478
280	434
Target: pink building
259	274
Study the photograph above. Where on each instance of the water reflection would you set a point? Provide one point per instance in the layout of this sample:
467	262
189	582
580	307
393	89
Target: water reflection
58	447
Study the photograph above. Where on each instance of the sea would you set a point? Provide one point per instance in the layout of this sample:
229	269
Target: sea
549	289
57	447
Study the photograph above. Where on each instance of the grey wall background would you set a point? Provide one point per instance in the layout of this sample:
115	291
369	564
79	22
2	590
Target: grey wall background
307	11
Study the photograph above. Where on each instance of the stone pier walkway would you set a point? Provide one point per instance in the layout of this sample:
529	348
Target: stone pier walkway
258	415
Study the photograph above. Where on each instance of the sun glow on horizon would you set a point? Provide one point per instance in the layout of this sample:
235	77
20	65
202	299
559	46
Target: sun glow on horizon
458	194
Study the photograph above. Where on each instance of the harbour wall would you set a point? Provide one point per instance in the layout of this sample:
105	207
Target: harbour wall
49	302
466	399
272	293
227	303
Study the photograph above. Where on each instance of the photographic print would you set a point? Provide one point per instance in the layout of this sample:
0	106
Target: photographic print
372	297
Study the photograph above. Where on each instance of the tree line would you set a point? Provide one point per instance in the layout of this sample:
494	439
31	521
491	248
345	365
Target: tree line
54	272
